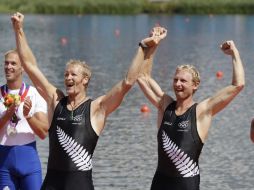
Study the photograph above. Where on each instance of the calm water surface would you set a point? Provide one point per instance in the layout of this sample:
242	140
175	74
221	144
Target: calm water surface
126	155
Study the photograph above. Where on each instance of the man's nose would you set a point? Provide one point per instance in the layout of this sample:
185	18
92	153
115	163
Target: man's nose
68	77
178	82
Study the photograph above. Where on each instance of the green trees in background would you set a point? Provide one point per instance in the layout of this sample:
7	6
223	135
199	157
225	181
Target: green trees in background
128	6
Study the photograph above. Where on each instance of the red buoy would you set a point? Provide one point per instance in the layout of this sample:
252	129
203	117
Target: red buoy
145	108
219	74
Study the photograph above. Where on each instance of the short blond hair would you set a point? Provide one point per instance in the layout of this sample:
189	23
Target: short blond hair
10	52
86	70
194	72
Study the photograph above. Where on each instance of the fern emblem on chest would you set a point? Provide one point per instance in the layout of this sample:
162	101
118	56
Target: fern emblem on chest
184	164
78	154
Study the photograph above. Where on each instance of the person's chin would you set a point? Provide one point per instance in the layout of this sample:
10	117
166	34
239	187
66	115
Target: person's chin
7	76
180	95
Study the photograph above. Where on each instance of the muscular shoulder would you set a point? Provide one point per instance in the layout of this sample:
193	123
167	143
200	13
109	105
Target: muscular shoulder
165	101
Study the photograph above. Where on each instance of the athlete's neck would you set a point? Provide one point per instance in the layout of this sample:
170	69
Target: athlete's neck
75	100
14	85
183	105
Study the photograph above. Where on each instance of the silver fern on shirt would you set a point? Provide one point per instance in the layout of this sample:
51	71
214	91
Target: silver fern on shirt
75	151
183	163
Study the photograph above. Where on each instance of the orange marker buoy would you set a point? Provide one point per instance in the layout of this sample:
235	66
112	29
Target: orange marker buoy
64	41
144	108
219	74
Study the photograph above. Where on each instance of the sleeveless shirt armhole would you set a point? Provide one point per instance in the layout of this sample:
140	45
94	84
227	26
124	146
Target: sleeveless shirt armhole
90	123
171	106
194	129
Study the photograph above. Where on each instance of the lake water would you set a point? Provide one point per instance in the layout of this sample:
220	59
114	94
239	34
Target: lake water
126	154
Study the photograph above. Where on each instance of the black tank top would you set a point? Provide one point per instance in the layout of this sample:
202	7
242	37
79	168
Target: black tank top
72	140
179	144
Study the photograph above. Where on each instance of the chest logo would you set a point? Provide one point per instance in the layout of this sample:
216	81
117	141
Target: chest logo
77	118
60	119
183	163
183	124
168	123
78	154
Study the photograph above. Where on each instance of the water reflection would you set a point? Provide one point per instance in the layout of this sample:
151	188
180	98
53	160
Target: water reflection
126	156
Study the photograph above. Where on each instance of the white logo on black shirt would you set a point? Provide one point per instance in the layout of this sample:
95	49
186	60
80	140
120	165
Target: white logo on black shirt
76	152
183	163
168	123
77	118
183	124
60	118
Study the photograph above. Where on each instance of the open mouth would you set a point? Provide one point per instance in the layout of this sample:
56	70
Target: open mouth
69	85
178	90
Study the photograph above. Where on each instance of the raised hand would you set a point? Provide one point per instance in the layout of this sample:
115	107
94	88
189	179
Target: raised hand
159	33
156	35
228	47
17	20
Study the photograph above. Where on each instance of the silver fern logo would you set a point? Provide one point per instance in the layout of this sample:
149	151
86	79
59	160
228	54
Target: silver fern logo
75	151
183	163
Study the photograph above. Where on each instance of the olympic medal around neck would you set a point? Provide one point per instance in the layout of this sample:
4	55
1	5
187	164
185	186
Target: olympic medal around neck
16	99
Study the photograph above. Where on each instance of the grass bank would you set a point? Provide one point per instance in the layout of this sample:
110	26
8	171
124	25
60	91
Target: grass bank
128	6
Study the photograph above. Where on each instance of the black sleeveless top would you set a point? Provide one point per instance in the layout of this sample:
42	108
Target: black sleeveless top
72	140
179	145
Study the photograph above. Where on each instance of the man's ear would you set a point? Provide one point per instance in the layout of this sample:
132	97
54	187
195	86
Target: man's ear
85	81
22	70
196	85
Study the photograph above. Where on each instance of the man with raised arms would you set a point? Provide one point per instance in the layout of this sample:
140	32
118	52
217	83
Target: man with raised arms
77	121
183	124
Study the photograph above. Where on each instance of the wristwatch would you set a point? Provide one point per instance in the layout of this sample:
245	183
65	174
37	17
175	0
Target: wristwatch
142	44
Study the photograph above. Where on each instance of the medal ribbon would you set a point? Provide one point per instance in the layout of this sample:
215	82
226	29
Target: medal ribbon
4	91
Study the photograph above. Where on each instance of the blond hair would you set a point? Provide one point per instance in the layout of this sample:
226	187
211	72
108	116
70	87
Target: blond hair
194	72
10	52
86	70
